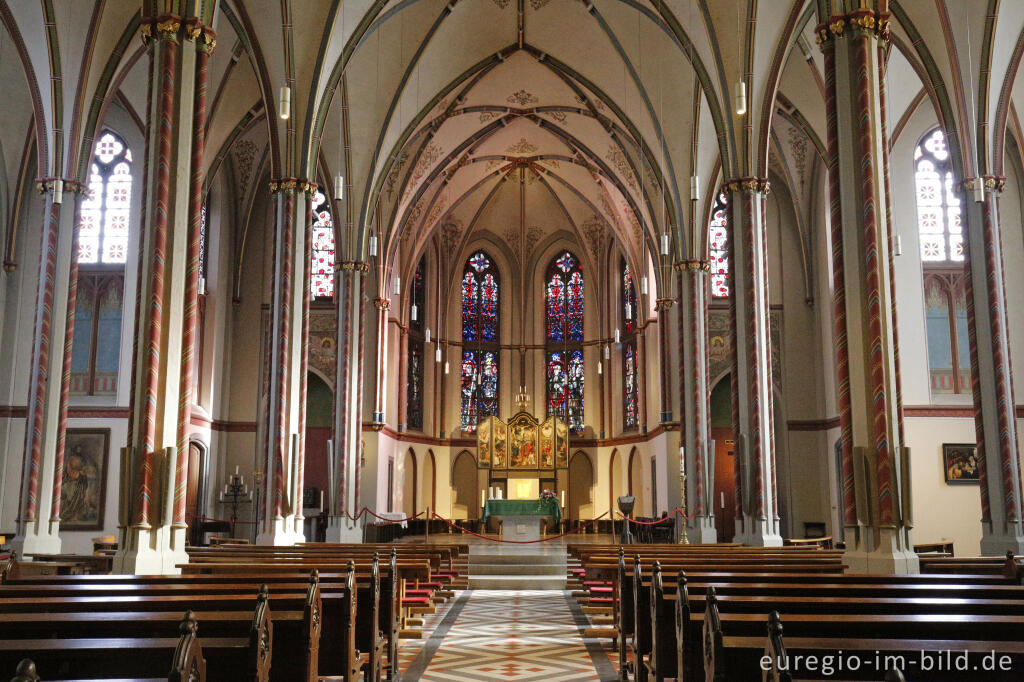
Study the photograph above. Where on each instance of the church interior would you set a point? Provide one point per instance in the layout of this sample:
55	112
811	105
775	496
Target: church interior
511	340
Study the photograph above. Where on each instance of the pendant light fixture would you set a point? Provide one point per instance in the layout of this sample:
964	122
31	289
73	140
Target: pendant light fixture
618	336
979	191
740	96
599	368
58	191
426	336
284	109
413	312
899	245
643	285
607	351
437	354
396	285
694	187
373	243
664	244
339	187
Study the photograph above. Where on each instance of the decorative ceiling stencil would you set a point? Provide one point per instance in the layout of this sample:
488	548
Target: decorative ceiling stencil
537	4
431	153
488	116
392	178
798	144
502	4
451	231
522	98
598	104
556	115
595	231
618	159
521	148
245	162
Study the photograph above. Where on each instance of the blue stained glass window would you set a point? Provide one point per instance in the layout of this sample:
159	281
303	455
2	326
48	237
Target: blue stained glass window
629	311
417	315
564	315
481	305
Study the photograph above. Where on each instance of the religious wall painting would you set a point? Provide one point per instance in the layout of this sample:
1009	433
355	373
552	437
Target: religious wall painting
720	343
84	481
547	443
561	444
499	440
960	462
522	433
484	444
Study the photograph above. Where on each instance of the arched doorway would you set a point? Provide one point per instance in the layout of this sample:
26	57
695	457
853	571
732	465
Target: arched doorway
615	488
636	483
195	491
465	489
319	417
580	504
724	499
428	482
409	500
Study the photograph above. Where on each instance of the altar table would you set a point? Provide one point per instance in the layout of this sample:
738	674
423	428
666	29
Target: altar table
541	507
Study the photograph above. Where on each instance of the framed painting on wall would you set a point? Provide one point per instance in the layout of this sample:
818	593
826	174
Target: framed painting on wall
84	482
960	462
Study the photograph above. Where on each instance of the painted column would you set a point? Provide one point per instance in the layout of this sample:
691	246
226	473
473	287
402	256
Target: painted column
151	519
695	419
289	306
875	462
999	468
752	397
663	306
381	388
347	450
39	517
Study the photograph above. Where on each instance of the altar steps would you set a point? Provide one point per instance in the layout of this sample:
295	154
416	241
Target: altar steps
517	569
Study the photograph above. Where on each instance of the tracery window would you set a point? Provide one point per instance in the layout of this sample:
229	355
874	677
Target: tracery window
564	311
940	235
938	206
105	209
103	231
718	248
481	300
417	315
630	386
321	270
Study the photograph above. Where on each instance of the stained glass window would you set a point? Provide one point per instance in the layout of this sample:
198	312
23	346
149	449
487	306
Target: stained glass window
481	302
96	347
417	316
938	206
321	284
630	391
718	249
105	209
564	313
631	402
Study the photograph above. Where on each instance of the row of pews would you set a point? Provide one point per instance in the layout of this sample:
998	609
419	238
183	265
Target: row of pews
721	612
259	614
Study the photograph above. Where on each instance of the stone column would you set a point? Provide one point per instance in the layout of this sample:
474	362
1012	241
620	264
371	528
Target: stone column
695	418
39	507
346	446
875	462
752	397
289	306
995	421
151	520
381	386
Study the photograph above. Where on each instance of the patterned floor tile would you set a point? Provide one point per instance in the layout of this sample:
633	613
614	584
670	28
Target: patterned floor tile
520	636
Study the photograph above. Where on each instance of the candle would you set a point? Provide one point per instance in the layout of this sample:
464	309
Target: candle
236	470
321	499
563	498
483	500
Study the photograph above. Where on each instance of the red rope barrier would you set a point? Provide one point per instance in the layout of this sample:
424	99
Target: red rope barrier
519	542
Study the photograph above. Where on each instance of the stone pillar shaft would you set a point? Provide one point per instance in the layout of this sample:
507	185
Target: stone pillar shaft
875	463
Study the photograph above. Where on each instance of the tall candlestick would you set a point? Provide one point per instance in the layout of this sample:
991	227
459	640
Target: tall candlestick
563	499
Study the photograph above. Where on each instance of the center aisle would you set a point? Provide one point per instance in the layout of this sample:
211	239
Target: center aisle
522	635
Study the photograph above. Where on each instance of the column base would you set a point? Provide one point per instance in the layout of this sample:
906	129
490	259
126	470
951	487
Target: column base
282	533
151	551
758	533
32	542
342	529
889	555
703	531
993	544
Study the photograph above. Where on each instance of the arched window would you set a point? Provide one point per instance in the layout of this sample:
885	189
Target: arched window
630	386
940	235
103	230
938	206
563	304
481	301
417	314
718	248
321	284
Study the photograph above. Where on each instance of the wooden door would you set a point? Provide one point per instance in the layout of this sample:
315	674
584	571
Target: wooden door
725	483
193	492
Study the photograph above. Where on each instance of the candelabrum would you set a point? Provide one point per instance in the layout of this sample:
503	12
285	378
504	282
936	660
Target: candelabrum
683	540
235	493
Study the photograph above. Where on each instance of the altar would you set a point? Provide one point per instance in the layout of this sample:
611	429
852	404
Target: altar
522	520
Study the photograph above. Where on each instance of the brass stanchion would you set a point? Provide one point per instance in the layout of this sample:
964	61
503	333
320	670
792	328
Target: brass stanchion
683	540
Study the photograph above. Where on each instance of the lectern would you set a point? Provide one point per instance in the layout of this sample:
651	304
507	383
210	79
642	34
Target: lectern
626	507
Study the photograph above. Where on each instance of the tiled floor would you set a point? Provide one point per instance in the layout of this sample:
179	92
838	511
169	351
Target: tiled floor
491	635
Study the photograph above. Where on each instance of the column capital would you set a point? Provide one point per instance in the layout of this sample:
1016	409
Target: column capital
663	303
292	185
750	185
692	265
45	185
350	266
382	303
204	36
166	27
863	21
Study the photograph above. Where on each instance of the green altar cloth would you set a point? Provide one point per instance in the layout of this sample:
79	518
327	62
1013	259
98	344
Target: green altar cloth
541	507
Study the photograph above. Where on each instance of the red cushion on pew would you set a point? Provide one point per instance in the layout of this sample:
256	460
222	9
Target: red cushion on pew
601	600
409	601
596	583
607	590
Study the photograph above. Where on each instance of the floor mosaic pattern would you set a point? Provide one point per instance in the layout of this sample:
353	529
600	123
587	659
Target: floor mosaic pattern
516	635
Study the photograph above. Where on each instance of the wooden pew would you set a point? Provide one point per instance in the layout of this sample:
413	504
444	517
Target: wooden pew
176	659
